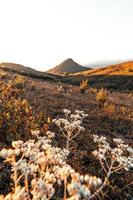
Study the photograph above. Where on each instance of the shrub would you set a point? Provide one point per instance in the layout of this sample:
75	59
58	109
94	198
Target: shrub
123	109
18	82
109	108
40	170
101	97
17	117
83	86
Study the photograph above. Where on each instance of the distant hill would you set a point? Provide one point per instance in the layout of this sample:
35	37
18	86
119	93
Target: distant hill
125	68
17	67
27	71
67	66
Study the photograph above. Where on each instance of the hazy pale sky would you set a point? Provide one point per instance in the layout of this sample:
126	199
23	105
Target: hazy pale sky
42	33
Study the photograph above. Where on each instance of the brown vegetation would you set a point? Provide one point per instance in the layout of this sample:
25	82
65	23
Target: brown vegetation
83	86
115	119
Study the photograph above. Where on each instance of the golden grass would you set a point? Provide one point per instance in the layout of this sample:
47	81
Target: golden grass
118	69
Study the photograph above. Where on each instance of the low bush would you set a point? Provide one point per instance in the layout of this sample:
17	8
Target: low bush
17	117
101	97
83	86
18	82
109	108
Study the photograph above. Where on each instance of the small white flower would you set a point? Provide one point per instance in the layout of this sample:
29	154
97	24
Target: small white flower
66	111
35	132
86	178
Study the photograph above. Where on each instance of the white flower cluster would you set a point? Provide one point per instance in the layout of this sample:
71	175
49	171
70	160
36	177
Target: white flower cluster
79	190
44	170
4	153
124	154
19	193
43	167
103	146
121	154
70	126
72	121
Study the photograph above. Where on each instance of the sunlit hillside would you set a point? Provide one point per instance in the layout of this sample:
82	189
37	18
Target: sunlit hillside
118	69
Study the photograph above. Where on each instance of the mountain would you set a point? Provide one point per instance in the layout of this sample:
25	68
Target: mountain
67	66
125	68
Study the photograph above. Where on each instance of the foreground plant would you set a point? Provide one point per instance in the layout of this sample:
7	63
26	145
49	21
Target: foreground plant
17	116
70	126
43	168
40	170
111	159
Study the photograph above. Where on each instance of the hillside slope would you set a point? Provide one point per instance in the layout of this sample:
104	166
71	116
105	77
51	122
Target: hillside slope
118	69
27	71
115	77
17	67
67	66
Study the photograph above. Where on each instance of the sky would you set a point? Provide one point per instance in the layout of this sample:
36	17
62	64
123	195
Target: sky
42	33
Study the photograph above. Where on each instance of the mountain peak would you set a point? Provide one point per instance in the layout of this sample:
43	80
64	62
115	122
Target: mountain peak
69	60
67	66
